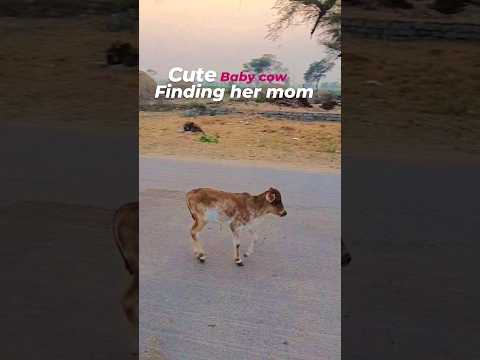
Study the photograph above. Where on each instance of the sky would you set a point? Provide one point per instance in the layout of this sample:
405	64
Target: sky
221	35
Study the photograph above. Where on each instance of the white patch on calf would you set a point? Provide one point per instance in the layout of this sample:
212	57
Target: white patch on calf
212	215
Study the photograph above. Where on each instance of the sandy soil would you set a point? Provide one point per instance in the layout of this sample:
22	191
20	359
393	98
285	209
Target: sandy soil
247	137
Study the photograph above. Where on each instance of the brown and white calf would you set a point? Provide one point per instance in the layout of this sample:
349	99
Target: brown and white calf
238	210
125	234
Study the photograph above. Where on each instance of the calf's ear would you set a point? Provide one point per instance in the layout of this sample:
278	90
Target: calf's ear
270	196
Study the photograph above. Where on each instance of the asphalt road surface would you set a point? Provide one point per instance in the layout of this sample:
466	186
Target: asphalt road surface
62	275
283	304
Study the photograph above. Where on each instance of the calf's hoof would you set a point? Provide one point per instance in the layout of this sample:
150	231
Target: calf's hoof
201	258
239	262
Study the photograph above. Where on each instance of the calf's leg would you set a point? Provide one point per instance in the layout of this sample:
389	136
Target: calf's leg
236	245
252	243
197	226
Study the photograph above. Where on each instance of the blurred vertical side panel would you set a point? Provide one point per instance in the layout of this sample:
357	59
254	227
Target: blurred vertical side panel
410	176
69	154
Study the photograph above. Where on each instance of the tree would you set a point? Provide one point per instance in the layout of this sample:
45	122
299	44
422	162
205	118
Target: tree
317	70
322	15
259	65
266	62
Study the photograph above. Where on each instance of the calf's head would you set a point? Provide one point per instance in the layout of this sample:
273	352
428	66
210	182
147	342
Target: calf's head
274	202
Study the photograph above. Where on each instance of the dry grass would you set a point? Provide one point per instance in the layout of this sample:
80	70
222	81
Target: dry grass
243	137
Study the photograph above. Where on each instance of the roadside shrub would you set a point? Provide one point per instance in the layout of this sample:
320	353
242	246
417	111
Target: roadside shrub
262	98
329	105
326	99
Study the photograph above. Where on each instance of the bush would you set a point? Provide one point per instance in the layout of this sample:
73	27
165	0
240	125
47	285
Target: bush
327	100
262	97
329	105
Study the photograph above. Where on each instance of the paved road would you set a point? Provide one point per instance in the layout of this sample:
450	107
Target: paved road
63	273
283	304
411	291
62	165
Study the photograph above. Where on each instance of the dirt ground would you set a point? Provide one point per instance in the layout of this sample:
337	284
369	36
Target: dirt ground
64	58
419	97
423	93
247	137
409	108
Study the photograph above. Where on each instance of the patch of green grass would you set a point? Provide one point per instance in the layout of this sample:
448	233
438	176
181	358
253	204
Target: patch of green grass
209	139
331	148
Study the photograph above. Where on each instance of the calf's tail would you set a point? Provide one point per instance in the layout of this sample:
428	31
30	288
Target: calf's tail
189	206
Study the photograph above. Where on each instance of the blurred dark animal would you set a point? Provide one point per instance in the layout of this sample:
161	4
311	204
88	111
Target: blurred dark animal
192	127
122	53
125	234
